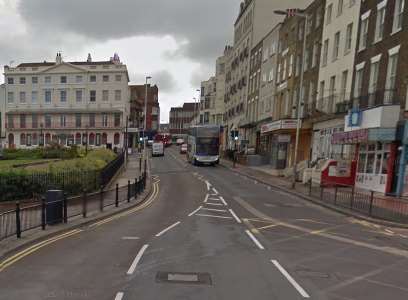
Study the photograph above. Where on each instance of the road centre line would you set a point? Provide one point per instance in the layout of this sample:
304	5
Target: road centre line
119	296
216	204
235	216
223	201
254	239
167	229
130	238
213	209
136	260
212	216
290	279
193	212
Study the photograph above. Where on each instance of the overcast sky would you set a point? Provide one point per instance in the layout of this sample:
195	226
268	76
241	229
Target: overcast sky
174	41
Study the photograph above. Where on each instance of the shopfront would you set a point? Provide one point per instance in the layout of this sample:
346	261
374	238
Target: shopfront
322	147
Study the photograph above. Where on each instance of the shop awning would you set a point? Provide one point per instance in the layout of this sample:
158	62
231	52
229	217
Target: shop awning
364	136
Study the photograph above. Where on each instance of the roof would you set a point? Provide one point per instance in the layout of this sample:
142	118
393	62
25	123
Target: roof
78	63
189	106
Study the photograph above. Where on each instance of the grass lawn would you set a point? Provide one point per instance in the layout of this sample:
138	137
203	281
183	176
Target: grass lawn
8	164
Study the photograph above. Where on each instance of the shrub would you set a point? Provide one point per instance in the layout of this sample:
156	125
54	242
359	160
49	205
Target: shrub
11	154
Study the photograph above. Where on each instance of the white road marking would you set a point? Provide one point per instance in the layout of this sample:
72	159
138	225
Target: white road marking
206	198
254	239
214	199
235	216
192	213
256	182
290	279
213	209
119	296
215	191
208	185
137	259
167	229
223	201
130	238
389	231
269	188
217	204
212	216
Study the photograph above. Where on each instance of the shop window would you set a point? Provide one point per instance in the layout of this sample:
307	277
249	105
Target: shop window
361	163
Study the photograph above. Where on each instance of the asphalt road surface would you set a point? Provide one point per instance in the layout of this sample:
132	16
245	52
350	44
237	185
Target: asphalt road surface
207	233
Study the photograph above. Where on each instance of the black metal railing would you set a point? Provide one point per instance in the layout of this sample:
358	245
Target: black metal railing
20	219
361	201
377	98
109	171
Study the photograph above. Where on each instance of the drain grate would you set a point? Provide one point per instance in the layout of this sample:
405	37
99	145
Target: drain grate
184	278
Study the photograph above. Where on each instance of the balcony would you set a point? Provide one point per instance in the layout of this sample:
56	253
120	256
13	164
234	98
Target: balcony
377	98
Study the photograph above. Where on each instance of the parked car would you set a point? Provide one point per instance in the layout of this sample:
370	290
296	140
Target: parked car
179	142
149	143
183	149
157	149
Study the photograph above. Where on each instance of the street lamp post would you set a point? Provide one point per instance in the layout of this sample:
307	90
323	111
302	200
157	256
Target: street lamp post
302	14
145	118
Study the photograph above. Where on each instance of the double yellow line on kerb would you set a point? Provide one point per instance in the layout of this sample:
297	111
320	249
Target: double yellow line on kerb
20	255
15	258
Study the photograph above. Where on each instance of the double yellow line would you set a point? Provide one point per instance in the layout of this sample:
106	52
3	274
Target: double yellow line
20	255
131	211
15	258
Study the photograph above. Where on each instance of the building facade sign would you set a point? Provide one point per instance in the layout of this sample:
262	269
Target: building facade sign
277	125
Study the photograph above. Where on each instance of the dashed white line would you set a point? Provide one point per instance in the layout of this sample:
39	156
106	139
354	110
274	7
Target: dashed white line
206	198
167	229
208	185
193	212
212	216
119	296
215	191
213	209
137	259
223	201
235	216
254	239
290	279
130	238
216	204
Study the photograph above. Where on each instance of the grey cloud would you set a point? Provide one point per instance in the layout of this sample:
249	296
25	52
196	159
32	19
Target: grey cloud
205	25
163	78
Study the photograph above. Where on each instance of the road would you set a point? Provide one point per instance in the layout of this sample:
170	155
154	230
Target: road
207	233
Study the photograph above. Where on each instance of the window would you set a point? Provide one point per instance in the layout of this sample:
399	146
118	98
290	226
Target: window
47	97
117	119
22	97
92	96
315	57
63	96
10	97
10	121
321	94
105	95
373	84
63	79
379	26
340	7
92	78
34	80
92	139
22	121
279	79
104	120
78	120
116	139
104	138
91	120
271	73
325	52
349	37
398	15
118	77
62	120
78	79
98	139
47	121
105	78
78	95
358	83
23	139
363	34
300	31
290	65
343	87
34	121
118	95
10	80
307	60
318	16
391	76
47	79
336	46
329	14
22	80
78	138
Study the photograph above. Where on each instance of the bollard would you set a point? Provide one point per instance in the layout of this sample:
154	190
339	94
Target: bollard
135	189
145	166
18	221
43	208
101	199
84	204
140	185
117	195
128	193
371	203
64	207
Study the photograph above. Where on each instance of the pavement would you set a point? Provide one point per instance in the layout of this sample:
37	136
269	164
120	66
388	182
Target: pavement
210	233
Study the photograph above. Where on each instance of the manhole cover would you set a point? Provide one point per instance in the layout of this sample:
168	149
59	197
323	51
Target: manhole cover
182	277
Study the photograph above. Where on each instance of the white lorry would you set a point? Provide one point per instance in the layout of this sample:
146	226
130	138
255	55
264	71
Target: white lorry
157	149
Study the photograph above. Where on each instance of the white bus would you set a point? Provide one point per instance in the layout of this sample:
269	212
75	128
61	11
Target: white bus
203	145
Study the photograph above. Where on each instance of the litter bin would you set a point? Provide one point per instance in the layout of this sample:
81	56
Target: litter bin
54	206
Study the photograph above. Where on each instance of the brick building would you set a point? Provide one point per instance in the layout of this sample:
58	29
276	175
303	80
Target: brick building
182	117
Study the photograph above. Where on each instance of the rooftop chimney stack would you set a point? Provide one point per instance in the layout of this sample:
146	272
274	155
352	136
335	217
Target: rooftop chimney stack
89	59
58	59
